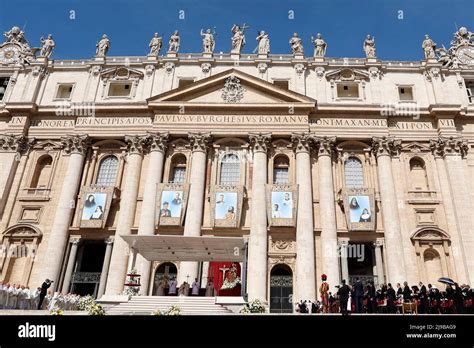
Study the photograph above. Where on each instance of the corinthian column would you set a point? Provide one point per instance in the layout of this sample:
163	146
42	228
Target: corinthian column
449	154
383	148
11	147
257	252
327	211
192	226
148	211
305	265
128	204
75	146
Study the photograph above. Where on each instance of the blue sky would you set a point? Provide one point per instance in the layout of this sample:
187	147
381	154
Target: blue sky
343	23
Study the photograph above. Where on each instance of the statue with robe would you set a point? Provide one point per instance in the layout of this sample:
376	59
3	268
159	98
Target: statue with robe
155	45
102	46
263	43
319	46
208	41
174	43
296	44
429	47
47	46
369	46
238	38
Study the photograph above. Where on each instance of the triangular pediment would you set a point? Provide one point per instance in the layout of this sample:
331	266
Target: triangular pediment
233	88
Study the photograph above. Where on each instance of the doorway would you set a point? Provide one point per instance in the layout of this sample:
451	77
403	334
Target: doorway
281	289
167	269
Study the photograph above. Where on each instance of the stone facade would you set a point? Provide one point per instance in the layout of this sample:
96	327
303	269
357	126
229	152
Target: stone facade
398	133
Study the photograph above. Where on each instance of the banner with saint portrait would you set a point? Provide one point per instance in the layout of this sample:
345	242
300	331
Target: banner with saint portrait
359	207
226	206
171	204
94	206
282	204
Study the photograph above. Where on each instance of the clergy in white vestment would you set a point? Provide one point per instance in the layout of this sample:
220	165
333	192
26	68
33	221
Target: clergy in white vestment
21	298
28	294
172	286
2	295
47	300
34	300
195	287
309	306
8	291
210	288
53	302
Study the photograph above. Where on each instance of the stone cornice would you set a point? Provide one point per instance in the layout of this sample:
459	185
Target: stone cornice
76	143
259	141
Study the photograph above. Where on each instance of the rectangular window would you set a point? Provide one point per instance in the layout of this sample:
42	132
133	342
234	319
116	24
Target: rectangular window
3	86
179	174
470	91
183	82
120	89
280	176
283	84
345	90
64	91
405	93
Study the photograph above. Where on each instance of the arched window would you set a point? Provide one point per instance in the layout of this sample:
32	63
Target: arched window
178	169
42	172
418	178
108	169
281	166
230	170
353	172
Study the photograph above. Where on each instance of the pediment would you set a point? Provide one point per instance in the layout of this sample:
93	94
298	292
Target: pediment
234	88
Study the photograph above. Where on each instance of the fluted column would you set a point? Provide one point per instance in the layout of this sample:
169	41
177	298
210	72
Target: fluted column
128	203
305	256
148	211
199	142
327	211
449	154
379	262
105	267
383	148
76	147
71	262
257	253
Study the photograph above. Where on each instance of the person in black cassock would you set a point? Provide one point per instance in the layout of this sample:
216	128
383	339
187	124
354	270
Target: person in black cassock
406	293
343	293
359	295
458	299
371	302
44	289
391	296
423	296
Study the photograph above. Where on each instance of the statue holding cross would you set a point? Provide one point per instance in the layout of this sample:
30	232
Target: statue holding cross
238	38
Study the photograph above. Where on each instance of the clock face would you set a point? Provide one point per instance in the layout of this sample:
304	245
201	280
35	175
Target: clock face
466	55
9	54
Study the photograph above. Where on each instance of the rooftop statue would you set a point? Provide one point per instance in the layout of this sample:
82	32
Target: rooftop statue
102	47
238	38
174	42
263	43
369	46
47	46
155	45
208	41
320	46
296	44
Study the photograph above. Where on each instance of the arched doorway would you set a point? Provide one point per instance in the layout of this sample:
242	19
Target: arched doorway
281	289
433	267
167	269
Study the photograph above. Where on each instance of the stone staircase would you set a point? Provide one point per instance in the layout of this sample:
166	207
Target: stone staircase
145	305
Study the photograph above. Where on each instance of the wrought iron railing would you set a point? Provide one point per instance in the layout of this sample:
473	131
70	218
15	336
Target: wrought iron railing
86	277
363	278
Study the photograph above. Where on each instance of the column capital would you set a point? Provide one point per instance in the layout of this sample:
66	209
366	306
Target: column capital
74	240
158	141
325	146
301	142
199	142
378	243
449	146
75	143
15	143
136	144
110	240
386	146
343	242
259	141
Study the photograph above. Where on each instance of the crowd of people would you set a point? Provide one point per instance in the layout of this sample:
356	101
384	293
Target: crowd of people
15	296
360	298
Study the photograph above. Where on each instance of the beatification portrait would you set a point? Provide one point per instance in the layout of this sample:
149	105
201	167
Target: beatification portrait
359	209
282	205
94	206
171	204
226	205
